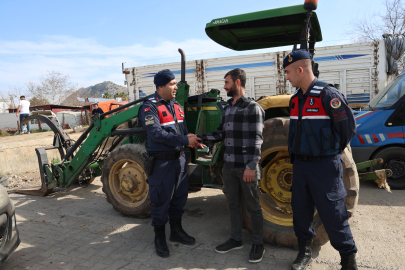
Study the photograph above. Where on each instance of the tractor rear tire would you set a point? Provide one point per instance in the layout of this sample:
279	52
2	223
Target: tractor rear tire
124	181
275	197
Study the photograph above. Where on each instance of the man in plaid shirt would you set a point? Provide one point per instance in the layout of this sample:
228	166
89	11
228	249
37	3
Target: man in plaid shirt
241	130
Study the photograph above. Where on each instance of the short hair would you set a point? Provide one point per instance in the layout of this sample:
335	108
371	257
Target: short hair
304	63
236	74
22	97
95	104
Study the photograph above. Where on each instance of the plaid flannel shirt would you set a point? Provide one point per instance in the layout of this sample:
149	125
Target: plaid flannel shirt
241	131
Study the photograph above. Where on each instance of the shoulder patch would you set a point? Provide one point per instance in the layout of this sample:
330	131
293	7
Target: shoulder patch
335	103
149	120
147	109
152	99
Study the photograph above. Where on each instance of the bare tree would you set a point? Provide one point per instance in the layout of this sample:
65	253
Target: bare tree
12	95
38	101
54	87
372	26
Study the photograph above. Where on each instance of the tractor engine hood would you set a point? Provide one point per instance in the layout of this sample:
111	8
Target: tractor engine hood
263	29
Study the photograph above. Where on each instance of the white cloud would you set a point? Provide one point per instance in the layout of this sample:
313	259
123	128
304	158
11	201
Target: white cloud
85	60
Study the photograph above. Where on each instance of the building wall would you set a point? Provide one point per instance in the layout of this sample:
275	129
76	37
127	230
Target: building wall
3	107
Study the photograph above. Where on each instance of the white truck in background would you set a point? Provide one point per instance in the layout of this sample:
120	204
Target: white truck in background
359	71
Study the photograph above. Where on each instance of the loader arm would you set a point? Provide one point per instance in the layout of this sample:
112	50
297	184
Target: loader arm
82	158
101	129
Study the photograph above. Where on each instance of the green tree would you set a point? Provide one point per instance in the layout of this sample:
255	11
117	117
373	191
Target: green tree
121	95
107	95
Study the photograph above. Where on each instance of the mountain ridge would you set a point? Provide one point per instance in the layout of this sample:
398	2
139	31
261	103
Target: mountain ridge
94	91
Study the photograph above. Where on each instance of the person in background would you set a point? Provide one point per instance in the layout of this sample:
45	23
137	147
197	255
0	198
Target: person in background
24	110
96	110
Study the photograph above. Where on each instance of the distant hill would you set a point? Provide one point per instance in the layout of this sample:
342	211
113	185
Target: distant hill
94	91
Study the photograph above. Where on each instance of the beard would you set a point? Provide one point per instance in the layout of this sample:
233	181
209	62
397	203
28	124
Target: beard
232	91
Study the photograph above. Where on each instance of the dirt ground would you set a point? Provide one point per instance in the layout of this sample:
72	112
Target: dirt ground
57	230
27	178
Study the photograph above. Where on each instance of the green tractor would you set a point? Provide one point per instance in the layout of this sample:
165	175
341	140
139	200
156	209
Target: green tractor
113	145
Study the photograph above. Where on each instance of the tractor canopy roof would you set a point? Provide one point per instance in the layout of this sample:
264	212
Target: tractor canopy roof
262	29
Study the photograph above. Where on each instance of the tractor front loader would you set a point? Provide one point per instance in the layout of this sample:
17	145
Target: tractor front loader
116	154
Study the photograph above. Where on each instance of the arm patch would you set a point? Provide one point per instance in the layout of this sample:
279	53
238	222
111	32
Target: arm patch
149	119
335	103
339	116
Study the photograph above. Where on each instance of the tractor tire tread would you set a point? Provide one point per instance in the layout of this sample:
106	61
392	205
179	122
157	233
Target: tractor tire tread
128	150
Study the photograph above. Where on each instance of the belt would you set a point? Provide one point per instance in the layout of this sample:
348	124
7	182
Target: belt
167	156
306	158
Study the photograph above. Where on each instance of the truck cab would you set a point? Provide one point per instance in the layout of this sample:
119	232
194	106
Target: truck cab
380	131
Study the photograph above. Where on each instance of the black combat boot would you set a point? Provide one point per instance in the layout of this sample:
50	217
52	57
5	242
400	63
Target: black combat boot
160	242
177	234
348	262
304	255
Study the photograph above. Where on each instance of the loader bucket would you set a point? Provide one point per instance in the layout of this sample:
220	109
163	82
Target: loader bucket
61	142
263	29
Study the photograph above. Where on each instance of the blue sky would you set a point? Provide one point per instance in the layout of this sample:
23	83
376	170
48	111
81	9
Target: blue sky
88	40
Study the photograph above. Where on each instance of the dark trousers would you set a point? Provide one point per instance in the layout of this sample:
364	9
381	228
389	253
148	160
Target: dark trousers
318	185
168	190
237	190
22	117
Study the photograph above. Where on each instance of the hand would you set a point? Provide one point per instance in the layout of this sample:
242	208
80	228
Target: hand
198	145
192	140
16	114
248	175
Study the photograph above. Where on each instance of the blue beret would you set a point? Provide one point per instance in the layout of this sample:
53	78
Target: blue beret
295	56
163	77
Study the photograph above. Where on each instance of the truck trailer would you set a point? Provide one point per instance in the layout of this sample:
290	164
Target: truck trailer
359	71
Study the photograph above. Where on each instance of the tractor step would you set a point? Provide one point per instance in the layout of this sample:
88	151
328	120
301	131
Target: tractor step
203	161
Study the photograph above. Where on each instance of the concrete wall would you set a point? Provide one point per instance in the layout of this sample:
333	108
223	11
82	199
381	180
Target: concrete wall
17	153
9	120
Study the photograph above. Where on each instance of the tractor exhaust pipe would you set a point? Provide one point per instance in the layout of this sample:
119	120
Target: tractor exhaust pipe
307	42
183	65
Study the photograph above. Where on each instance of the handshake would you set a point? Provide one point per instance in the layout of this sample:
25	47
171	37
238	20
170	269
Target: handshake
193	141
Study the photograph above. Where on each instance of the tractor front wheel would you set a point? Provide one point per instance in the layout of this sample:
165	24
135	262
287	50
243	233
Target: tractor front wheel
124	181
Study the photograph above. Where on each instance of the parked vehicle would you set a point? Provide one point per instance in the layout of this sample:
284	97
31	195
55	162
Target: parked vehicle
9	235
380	131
